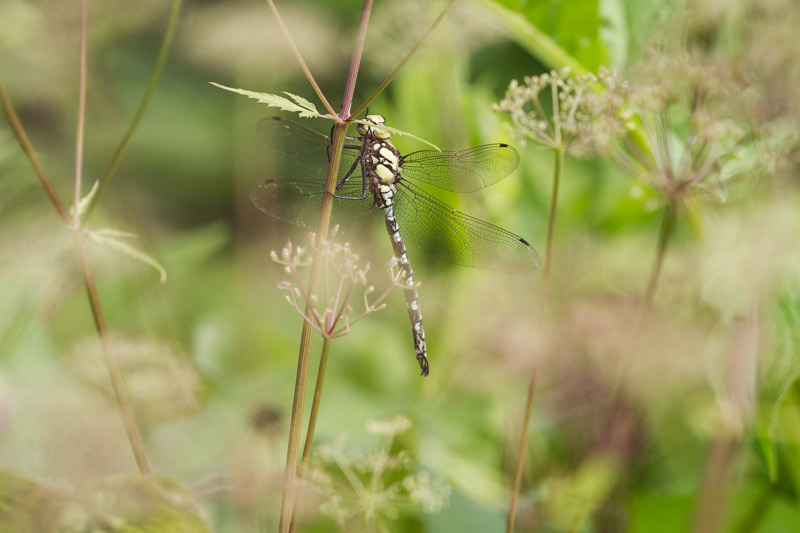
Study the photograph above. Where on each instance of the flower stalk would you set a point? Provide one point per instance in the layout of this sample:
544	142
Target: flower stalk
75	219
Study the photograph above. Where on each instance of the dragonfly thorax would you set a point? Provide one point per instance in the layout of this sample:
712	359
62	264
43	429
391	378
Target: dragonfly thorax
366	130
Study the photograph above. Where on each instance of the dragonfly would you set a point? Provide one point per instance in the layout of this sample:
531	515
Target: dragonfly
375	175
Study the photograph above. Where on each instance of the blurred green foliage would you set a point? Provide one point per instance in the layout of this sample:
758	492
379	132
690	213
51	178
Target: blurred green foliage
625	427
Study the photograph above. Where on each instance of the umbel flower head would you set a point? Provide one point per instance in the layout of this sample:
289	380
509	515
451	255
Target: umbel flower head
330	313
373	486
680	132
548	109
674	134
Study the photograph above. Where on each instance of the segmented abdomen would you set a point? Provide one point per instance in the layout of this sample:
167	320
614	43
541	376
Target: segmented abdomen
409	289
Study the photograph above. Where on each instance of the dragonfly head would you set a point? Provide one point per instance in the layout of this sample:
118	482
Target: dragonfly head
377	120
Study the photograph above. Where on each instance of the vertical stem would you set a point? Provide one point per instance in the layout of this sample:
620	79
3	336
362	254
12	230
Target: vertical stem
355	60
557	170
312	422
548	259
664	235
323	229
76	215
111	361
402	63
287	501
523	444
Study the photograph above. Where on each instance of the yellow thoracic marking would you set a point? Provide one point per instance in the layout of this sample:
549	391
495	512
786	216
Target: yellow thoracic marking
384	173
388	155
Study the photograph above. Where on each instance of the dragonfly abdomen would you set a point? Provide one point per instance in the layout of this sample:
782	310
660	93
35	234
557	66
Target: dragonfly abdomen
409	288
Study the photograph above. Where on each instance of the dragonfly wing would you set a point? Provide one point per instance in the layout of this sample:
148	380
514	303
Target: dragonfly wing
463	170
299	202
303	145
458	238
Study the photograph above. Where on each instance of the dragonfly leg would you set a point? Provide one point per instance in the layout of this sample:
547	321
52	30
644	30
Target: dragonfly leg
344	180
349	173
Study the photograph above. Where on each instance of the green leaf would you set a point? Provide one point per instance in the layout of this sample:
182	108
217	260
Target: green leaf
300	105
113	239
525	27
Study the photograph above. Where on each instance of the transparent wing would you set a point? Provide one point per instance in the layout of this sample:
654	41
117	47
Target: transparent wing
463	170
459	238
303	145
299	201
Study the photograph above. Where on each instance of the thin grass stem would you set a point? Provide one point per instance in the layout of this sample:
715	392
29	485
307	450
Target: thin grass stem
27	147
385	83
111	361
560	151
523	445
355	60
76	214
551	223
300	60
116	159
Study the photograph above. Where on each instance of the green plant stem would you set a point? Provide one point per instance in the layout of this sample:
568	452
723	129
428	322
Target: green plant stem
355	60
76	215
551	223
111	361
27	147
323	229
300	60
523	445
312	421
402	63
664	235
116	159
287	501
558	169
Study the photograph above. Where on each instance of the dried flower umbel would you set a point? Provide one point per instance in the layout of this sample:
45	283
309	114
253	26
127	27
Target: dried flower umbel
548	109
373	486
331	313
677	134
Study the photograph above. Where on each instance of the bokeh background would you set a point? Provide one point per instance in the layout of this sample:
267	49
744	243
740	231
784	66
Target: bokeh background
644	419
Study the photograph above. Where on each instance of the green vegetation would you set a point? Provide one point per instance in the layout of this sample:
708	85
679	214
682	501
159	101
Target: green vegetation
645	379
